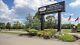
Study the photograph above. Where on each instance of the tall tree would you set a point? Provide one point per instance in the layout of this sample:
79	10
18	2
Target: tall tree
36	23
17	25
8	25
29	21
2	25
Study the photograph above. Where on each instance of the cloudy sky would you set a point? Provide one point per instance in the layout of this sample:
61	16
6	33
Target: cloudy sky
16	10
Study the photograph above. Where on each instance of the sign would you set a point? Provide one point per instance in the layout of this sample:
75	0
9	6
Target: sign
53	8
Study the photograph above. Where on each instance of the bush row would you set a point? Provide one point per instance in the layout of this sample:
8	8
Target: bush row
47	34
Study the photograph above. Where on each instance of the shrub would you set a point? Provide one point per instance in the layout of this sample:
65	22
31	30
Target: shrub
32	32
47	34
67	37
40	33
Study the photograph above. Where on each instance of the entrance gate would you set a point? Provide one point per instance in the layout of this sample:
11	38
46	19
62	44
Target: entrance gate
53	8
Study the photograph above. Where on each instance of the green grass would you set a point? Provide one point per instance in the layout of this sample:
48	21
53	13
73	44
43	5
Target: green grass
66	30
67	38
23	32
13	33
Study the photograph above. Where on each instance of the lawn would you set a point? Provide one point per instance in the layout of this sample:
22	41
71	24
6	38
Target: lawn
13	32
24	32
66	30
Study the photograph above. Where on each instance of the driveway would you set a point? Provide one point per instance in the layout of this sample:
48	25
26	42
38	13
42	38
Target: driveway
6	39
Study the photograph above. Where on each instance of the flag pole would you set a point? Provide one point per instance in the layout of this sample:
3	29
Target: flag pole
70	24
69	21
78	21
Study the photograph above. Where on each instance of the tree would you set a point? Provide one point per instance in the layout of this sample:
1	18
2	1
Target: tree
17	25
50	22
8	25
67	26
36	23
78	25
2	25
37	16
29	21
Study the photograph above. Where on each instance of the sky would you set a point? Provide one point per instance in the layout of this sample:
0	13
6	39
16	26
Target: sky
17	10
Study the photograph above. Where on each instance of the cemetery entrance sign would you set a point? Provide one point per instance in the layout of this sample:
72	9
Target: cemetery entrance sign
53	8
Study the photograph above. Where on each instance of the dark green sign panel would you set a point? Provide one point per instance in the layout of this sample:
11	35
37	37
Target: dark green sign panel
53	8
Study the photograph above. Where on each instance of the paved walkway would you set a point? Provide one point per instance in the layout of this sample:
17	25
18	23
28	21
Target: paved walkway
24	40
75	34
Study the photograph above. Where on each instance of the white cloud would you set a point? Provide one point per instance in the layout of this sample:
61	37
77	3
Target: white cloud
20	9
33	4
6	15
20	3
72	14
69	14
4	12
23	7
74	4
